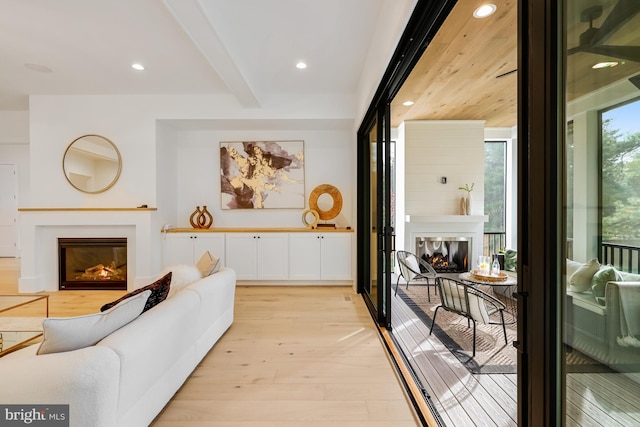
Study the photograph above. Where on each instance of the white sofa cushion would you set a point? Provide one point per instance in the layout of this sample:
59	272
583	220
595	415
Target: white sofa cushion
182	275
588	302
580	281
208	264
572	267
71	333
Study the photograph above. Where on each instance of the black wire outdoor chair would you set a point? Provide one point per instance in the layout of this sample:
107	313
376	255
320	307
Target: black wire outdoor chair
415	270
470	302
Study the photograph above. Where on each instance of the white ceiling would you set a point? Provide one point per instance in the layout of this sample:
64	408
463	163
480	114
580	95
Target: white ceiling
247	48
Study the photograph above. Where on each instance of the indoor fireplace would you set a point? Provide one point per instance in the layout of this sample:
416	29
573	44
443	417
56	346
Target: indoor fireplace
92	263
444	254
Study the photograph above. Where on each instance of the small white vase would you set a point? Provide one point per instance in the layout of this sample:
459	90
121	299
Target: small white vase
468	201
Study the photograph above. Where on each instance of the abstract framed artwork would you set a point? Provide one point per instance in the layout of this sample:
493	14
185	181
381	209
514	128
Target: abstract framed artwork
262	174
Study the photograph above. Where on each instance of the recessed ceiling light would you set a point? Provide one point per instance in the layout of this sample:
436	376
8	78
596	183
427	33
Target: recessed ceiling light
301	65
604	65
484	10
38	68
407	103
137	66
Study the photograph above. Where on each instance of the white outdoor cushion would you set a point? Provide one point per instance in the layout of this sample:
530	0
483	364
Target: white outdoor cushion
412	262
572	267
580	281
71	333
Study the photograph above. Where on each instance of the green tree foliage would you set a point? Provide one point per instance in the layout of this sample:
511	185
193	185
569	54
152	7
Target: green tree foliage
494	185
620	184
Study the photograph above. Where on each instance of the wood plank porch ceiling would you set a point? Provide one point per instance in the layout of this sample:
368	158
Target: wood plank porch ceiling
468	70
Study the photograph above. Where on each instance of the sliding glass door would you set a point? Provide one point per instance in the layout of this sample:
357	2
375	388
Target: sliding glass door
375	274
578	213
600	355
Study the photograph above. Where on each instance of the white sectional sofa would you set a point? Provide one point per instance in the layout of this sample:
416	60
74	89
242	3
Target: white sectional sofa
602	316
129	376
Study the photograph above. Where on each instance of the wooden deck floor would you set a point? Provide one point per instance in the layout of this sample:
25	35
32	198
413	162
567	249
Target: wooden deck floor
465	399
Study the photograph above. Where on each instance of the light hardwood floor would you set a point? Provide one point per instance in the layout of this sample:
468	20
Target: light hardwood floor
294	356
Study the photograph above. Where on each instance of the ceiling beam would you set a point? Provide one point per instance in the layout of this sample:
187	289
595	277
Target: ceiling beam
191	17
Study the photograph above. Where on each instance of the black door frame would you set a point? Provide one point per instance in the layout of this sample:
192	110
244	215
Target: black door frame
540	232
540	208
378	304
425	21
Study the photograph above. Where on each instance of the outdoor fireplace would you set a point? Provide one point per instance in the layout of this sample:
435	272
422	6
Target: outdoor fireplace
92	263
444	254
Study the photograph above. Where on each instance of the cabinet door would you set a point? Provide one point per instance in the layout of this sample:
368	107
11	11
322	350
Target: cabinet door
273	256
335	257
304	259
177	248
212	242
241	254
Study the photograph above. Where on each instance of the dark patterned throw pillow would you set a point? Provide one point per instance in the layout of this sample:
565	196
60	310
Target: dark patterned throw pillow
159	291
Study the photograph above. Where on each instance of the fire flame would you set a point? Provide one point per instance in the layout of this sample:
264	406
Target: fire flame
101	272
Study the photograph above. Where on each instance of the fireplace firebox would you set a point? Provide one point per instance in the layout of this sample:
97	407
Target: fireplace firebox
444	254
92	263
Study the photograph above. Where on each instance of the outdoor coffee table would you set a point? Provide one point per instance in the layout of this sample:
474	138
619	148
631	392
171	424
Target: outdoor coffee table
21	320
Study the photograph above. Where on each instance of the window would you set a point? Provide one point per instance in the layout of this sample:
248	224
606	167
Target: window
620	177
495	191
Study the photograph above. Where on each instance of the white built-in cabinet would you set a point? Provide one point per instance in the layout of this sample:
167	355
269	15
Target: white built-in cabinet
266	255
321	256
258	256
187	248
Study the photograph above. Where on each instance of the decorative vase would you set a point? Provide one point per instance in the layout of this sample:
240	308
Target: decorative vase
468	203
201	218
463	206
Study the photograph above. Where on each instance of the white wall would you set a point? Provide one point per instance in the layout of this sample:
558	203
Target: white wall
585	186
18	154
445	148
130	122
399	137
14	127
14	147
167	145
391	23
14	150
170	153
329	159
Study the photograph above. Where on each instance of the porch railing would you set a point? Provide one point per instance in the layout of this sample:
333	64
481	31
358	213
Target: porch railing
494	242
623	257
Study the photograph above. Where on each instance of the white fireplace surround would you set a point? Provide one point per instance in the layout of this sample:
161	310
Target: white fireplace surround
469	226
40	230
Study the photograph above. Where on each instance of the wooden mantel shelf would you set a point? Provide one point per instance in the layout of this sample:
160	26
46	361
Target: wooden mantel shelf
258	230
83	209
446	218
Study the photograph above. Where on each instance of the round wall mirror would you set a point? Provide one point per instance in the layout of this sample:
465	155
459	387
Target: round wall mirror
92	163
